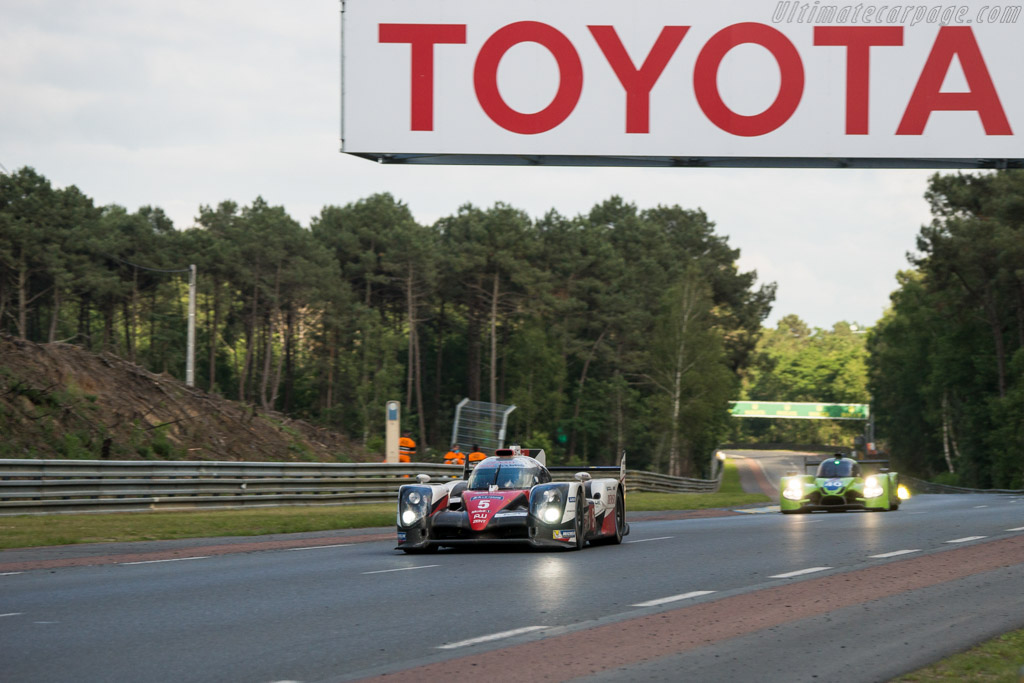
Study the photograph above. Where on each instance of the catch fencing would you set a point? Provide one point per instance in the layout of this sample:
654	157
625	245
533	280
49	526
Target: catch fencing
55	486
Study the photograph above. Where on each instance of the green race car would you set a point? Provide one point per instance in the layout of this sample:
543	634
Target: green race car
841	483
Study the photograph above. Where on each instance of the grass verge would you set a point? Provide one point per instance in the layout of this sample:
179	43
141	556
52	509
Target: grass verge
1000	660
29	531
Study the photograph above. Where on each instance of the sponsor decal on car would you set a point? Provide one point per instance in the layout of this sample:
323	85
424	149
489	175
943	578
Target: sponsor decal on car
518	513
401	537
559	535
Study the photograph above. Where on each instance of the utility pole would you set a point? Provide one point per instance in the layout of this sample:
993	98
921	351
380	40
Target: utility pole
190	355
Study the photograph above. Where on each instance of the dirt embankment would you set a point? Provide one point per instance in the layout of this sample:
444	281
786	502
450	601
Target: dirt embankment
60	401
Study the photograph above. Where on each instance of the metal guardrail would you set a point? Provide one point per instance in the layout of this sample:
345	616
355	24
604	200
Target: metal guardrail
53	486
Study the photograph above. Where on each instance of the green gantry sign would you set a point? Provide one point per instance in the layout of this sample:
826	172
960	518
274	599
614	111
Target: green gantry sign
800	411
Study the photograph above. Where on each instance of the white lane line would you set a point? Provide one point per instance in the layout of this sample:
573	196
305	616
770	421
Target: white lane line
894	553
980	506
12	614
173	559
644	540
489	638
673	598
966	538
403	569
318	547
11	573
1020	528
799	572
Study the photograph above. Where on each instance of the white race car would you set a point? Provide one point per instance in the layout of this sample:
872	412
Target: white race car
511	498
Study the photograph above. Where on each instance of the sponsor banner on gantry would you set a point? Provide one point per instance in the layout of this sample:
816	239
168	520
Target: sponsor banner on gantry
679	78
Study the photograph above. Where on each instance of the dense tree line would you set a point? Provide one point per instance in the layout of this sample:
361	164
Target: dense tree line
794	362
947	360
618	329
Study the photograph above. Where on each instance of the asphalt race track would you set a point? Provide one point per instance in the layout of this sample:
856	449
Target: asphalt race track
748	596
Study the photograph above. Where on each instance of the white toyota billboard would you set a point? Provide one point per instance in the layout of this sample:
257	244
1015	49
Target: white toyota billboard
752	82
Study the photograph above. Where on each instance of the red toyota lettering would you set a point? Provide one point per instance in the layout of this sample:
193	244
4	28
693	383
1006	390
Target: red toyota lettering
858	41
705	79
638	82
485	77
981	96
422	38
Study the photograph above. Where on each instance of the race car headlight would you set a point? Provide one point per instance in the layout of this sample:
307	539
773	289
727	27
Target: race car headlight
547	506
551	514
794	490
413	505
902	492
871	488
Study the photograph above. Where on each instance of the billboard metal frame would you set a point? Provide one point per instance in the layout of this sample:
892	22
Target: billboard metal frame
687	162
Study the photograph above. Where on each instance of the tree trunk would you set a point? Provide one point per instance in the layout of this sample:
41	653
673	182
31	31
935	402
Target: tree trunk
410	313
22	297
268	354
54	316
289	361
250	333
214	332
677	389
129	322
415	374
494	338
945	431
1000	345
331	355
579	394
473	356
438	375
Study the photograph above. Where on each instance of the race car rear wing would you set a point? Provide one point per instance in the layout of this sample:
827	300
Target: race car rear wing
620	469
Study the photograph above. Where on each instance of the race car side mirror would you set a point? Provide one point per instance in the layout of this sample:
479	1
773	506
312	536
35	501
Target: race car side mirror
582	476
423	478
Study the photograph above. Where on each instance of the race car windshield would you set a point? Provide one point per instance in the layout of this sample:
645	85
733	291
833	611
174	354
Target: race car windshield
838	467
505	477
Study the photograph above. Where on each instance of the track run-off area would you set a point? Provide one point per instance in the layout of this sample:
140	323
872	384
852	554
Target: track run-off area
749	595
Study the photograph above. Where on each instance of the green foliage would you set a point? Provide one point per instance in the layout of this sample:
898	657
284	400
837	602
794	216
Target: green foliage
74	447
573	320
947	369
999	660
795	363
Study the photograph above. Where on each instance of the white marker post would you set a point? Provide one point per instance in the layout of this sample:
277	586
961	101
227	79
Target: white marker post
392	431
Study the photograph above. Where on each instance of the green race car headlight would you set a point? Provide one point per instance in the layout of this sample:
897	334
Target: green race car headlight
794	490
871	487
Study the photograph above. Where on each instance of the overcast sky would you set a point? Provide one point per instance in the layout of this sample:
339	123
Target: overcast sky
192	102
